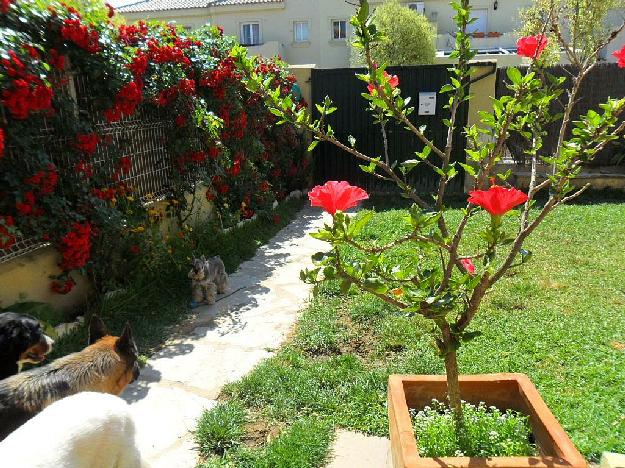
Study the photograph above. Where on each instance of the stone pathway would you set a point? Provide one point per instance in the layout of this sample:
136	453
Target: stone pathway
222	343
355	450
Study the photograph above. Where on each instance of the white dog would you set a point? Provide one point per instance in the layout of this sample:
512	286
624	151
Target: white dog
86	430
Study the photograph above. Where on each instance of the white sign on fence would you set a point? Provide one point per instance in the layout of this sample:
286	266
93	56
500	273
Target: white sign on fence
427	103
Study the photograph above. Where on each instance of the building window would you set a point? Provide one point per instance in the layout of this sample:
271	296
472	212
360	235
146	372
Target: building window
419	7
300	31
339	29
250	34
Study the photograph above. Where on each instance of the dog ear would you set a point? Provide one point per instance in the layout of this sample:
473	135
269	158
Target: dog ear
97	329
125	343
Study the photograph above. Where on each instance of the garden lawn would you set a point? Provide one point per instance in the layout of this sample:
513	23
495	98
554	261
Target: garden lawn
158	297
560	319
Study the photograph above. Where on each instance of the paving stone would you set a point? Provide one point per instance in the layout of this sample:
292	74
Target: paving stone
356	450
612	460
221	344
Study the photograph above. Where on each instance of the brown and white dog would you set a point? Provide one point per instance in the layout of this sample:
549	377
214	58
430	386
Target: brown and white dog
107	365
21	340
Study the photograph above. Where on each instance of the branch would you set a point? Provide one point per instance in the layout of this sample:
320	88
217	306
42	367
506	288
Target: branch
395	243
575	195
392	175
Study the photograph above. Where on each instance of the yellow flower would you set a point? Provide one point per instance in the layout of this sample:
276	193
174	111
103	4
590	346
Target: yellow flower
129	198
138	229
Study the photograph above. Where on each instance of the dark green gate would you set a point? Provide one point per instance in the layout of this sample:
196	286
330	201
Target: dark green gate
353	118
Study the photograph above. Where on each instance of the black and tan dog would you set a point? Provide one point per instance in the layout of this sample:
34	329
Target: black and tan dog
21	340
107	365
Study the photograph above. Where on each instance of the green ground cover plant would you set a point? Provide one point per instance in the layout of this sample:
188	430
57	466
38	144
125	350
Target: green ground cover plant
158	296
492	432
335	369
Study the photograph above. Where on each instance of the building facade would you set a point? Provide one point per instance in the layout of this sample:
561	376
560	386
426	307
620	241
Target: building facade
318	31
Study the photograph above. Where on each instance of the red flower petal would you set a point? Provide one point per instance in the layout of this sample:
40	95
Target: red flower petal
497	200
620	55
531	46
336	196
467	263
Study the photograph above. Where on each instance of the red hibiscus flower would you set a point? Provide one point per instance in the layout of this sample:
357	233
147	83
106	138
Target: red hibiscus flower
531	46
468	265
135	249
276	219
264	186
335	196
497	200
393	81
63	287
210	196
620	56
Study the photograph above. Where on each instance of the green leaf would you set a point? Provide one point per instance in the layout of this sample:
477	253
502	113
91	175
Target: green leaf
313	145
375	285
514	75
359	223
322	235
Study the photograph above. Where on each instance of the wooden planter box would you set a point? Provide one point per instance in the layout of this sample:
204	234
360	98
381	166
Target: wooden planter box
505	391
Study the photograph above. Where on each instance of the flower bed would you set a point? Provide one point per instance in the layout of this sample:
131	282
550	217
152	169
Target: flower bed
73	87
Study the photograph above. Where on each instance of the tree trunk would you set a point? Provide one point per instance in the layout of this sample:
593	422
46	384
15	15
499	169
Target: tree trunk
453	396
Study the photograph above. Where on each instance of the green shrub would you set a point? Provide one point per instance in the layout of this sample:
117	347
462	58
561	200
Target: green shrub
220	428
410	37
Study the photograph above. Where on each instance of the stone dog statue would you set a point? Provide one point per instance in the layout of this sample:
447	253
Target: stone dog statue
208	278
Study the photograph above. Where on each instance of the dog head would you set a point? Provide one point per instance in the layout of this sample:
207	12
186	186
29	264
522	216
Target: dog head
198	268
125	369
22	339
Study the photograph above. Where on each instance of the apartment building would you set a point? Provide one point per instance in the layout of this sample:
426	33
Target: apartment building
317	31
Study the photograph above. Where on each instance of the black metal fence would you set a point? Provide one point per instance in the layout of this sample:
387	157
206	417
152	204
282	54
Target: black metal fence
604	81
353	118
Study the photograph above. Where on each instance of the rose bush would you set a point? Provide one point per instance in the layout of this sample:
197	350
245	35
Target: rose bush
82	197
446	276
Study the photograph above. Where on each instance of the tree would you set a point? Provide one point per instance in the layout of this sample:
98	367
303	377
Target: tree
409	38
581	25
446	277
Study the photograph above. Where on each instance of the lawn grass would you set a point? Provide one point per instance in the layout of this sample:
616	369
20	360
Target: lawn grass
158	299
560	319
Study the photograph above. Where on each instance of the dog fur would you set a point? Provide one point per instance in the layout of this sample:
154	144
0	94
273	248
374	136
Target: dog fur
21	340
87	430
107	365
202	290
212	270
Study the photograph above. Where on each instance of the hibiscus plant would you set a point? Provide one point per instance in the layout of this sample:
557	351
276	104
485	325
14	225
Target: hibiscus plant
446	278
